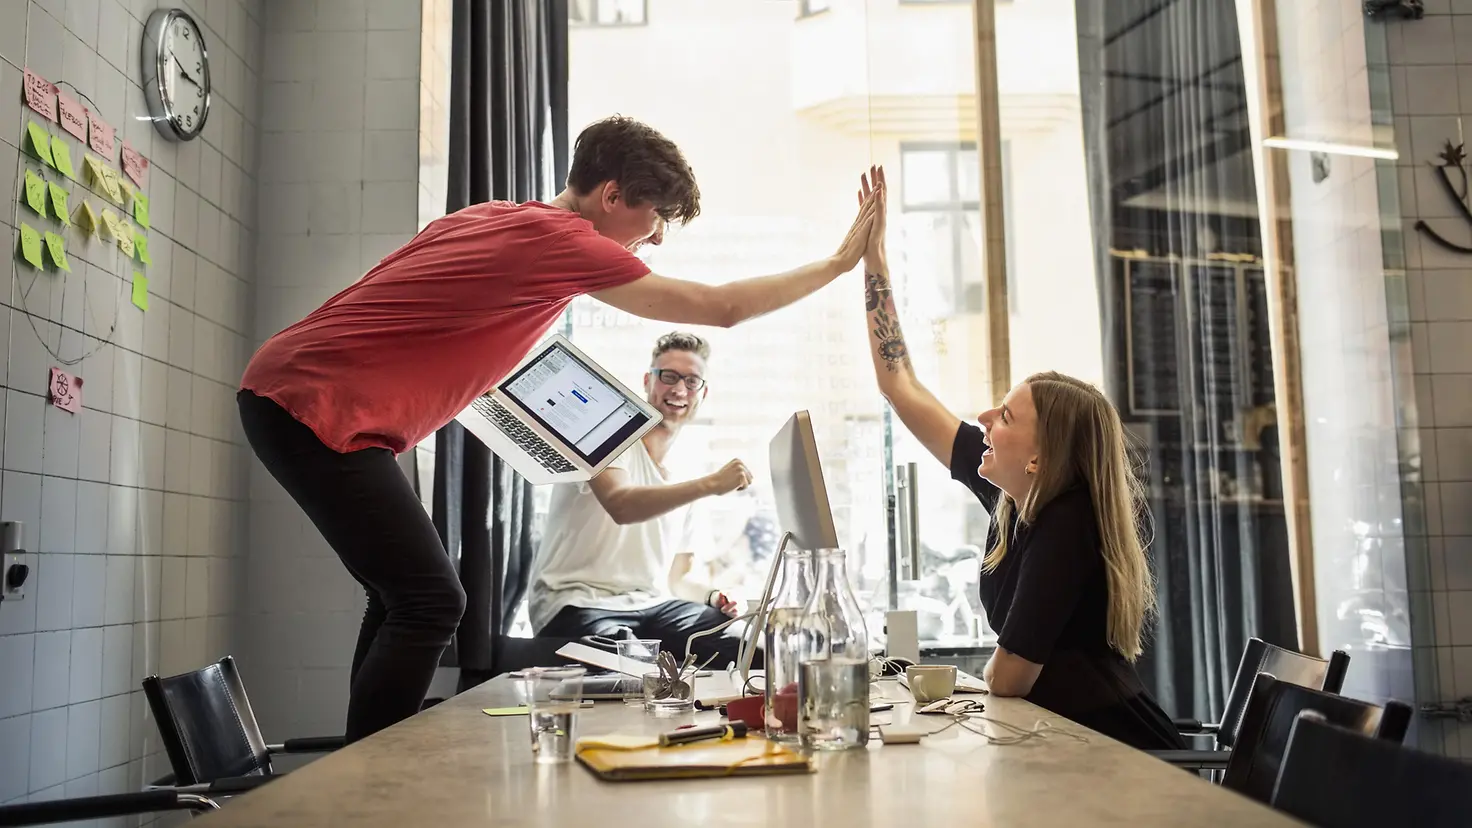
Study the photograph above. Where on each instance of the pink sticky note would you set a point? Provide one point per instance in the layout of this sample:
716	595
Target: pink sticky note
66	391
73	116
40	95
135	166
101	137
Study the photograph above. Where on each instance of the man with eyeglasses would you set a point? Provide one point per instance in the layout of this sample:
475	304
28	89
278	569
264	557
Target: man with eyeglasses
615	557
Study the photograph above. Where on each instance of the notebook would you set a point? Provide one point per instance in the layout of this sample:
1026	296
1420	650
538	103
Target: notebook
751	756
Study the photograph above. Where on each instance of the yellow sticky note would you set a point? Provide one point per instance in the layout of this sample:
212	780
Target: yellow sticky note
41	143
140	295
30	245
36	193
112	185
125	241
140	210
93	166
63	157
57	246
140	243
58	204
504	711
86	219
109	223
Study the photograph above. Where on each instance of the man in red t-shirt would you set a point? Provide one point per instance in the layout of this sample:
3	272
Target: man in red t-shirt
327	403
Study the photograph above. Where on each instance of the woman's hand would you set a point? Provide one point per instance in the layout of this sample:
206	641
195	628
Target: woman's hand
853	246
872	188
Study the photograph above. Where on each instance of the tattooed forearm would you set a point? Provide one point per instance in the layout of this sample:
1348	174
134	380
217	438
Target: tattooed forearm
890	340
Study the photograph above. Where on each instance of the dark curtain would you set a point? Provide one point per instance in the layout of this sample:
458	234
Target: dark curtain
1186	342
508	141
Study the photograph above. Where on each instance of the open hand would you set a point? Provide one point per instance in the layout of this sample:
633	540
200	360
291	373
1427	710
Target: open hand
872	189
852	248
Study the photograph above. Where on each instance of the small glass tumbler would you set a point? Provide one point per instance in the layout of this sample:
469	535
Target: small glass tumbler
553	697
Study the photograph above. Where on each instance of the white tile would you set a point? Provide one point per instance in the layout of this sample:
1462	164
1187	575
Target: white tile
58	515
122	521
86	667
62	441
52	582
92	518
147	589
392	104
24	415
112	35
122	576
15	757
48	748
117	659
389	207
81	20
79	61
1450	345
154	396
290	17
391	155
51	684
339	56
395	55
173	592
196	587
116	717
179	398
83	738
95	446
342	15
151	443
145	651
97	370
46	38
18	654
172	648
13	50
393	14
1459	617
125	465
89	590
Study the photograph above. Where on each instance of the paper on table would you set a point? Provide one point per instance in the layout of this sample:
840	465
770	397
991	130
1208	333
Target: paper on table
63	157
36	193
140	290
57	246
30	246
41	143
58	204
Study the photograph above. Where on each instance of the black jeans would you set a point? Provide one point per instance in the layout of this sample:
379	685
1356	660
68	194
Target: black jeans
672	622
365	508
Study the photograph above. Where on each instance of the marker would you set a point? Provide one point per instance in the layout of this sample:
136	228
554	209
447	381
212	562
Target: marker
724	732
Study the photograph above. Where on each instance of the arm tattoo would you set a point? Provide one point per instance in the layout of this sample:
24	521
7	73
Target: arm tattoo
879	300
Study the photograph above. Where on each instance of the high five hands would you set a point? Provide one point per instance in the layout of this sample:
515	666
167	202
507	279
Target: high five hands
872	192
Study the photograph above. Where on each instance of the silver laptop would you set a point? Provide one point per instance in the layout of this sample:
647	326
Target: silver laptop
558	417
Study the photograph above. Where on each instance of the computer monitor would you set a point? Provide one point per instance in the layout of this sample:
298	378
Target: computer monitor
797	485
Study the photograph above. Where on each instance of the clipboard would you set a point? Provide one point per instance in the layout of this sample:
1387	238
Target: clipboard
751	756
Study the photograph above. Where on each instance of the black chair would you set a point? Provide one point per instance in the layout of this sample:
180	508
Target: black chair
1287	665
1251	768
103	807
210	733
1333	777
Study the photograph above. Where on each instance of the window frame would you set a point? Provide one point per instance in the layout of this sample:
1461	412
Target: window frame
594	22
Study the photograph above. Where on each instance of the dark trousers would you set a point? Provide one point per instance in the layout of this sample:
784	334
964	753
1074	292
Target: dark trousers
672	622
365	508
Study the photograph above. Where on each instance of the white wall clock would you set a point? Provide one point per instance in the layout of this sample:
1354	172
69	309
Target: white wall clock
176	74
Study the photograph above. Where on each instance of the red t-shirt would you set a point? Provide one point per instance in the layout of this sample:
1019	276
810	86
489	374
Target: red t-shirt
438	322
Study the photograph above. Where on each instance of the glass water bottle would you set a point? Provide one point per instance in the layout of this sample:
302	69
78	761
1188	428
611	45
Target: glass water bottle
833	677
787	643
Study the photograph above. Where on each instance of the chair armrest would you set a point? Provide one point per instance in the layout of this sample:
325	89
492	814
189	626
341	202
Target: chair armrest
309	744
102	807
1194	759
1192	727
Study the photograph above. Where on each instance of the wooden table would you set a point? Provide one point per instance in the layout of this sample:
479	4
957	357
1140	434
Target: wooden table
453	766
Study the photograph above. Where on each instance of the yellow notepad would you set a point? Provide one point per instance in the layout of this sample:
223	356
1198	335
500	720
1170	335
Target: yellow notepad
752	756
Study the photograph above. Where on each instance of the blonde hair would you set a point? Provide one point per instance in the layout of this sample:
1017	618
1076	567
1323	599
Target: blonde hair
1081	439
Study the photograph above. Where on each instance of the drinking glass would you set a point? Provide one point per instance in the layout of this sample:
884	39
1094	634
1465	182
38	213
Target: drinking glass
553	696
636	656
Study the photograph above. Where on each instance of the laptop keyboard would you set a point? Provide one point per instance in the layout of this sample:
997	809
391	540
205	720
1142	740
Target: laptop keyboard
525	439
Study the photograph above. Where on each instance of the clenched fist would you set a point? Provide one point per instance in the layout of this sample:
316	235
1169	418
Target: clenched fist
732	477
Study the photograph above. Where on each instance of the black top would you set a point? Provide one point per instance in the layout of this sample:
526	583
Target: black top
1048	602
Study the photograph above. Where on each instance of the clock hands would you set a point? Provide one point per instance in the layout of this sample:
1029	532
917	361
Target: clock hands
185	74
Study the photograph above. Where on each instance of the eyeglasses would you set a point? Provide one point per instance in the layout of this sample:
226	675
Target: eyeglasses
668	377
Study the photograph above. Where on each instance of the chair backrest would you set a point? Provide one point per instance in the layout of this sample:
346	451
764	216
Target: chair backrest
1333	777
1286	665
1271	711
206	724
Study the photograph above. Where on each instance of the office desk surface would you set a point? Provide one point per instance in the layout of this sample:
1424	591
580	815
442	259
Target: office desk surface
453	766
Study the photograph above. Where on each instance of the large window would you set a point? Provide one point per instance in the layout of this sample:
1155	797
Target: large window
940	203
608	12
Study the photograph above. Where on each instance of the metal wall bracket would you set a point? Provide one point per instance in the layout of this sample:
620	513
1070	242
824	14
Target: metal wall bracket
1388	9
1461	710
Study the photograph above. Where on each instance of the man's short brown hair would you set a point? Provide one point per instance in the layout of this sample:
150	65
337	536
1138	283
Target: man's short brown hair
681	341
648	167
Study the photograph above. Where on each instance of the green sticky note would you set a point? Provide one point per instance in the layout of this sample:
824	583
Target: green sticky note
36	193
57	246
140	243
41	143
140	210
30	246
58	204
140	290
63	157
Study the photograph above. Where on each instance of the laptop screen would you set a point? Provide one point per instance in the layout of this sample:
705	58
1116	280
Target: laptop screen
572	401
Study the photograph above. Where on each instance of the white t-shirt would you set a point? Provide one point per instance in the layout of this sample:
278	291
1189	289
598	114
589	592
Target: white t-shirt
587	560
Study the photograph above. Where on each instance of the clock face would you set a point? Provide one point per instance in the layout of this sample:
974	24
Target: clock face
179	92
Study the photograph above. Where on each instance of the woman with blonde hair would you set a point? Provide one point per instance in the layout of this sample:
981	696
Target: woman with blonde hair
1065	581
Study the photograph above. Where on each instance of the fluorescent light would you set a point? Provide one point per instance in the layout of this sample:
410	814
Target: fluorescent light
1331	148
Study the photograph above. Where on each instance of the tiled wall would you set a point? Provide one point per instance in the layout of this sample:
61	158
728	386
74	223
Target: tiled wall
1431	89
134	507
340	171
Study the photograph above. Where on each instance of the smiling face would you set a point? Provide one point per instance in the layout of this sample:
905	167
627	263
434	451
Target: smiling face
676	401
1012	444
